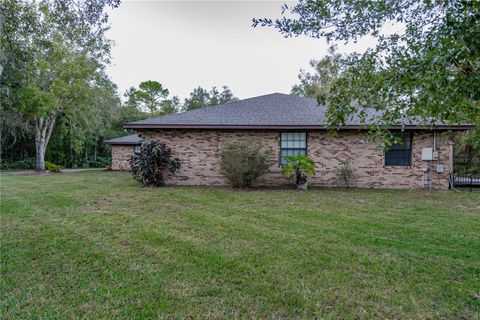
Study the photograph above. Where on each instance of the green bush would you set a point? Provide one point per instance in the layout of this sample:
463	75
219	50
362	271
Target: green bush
299	167
152	162
100	162
52	167
27	163
242	163
346	174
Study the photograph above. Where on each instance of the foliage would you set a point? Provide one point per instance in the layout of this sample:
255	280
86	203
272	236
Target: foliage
15	131
150	165
200	98
169	106
99	162
300	167
243	162
53	57
429	69
150	95
52	167
346	174
467	152
319	84
26	163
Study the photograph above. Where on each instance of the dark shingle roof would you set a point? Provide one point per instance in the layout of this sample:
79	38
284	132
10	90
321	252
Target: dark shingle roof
272	111
127	140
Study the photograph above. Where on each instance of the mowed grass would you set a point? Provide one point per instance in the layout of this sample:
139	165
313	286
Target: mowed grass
96	245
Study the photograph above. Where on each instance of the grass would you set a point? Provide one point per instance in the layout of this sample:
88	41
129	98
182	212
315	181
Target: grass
95	245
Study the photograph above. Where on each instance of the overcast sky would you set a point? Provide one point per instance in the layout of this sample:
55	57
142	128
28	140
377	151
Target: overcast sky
188	44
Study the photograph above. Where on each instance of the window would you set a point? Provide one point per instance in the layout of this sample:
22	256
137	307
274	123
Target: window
292	144
400	154
136	148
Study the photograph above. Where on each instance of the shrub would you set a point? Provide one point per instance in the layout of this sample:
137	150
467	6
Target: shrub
100	162
346	174
152	162
299	167
242	163
27	163
52	167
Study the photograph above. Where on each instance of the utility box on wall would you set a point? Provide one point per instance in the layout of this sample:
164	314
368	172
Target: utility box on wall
427	154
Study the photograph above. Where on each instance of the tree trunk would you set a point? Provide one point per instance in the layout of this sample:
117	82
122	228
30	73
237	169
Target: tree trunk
43	131
40	166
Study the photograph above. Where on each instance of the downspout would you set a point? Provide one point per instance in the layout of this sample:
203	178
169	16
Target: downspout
435	161
451	143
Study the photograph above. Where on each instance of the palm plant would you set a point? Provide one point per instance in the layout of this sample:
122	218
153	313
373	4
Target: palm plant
300	167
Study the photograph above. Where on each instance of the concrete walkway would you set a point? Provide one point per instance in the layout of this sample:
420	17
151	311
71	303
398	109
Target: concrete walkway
81	170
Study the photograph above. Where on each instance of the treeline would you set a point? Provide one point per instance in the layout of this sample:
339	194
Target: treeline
79	142
57	102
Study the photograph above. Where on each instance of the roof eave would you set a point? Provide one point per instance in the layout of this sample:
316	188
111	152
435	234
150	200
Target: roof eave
288	127
121	143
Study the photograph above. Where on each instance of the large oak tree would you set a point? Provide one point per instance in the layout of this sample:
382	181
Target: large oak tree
53	55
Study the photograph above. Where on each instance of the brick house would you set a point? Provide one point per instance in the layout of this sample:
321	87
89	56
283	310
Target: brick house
122	149
296	125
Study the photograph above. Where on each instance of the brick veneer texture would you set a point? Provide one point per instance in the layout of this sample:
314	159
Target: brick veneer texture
120	156
199	153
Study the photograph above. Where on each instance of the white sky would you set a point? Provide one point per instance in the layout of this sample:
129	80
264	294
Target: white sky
188	44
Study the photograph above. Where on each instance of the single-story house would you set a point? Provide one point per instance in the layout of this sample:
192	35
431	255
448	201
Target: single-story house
122	149
295	125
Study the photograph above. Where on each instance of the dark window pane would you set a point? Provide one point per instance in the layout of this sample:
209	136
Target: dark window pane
400	153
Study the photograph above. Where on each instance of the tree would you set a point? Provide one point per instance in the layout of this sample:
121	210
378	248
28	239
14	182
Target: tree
170	106
129	111
430	69
52	56
200	98
58	85
319	84
221	97
77	141
150	95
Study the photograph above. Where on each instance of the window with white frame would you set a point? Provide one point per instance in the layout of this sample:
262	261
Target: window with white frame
136	148
292	144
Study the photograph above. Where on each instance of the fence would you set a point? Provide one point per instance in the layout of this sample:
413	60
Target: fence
465	180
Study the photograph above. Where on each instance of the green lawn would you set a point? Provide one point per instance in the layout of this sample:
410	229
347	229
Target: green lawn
95	245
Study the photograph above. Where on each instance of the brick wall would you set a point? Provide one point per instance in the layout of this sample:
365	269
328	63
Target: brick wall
120	156
199	153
